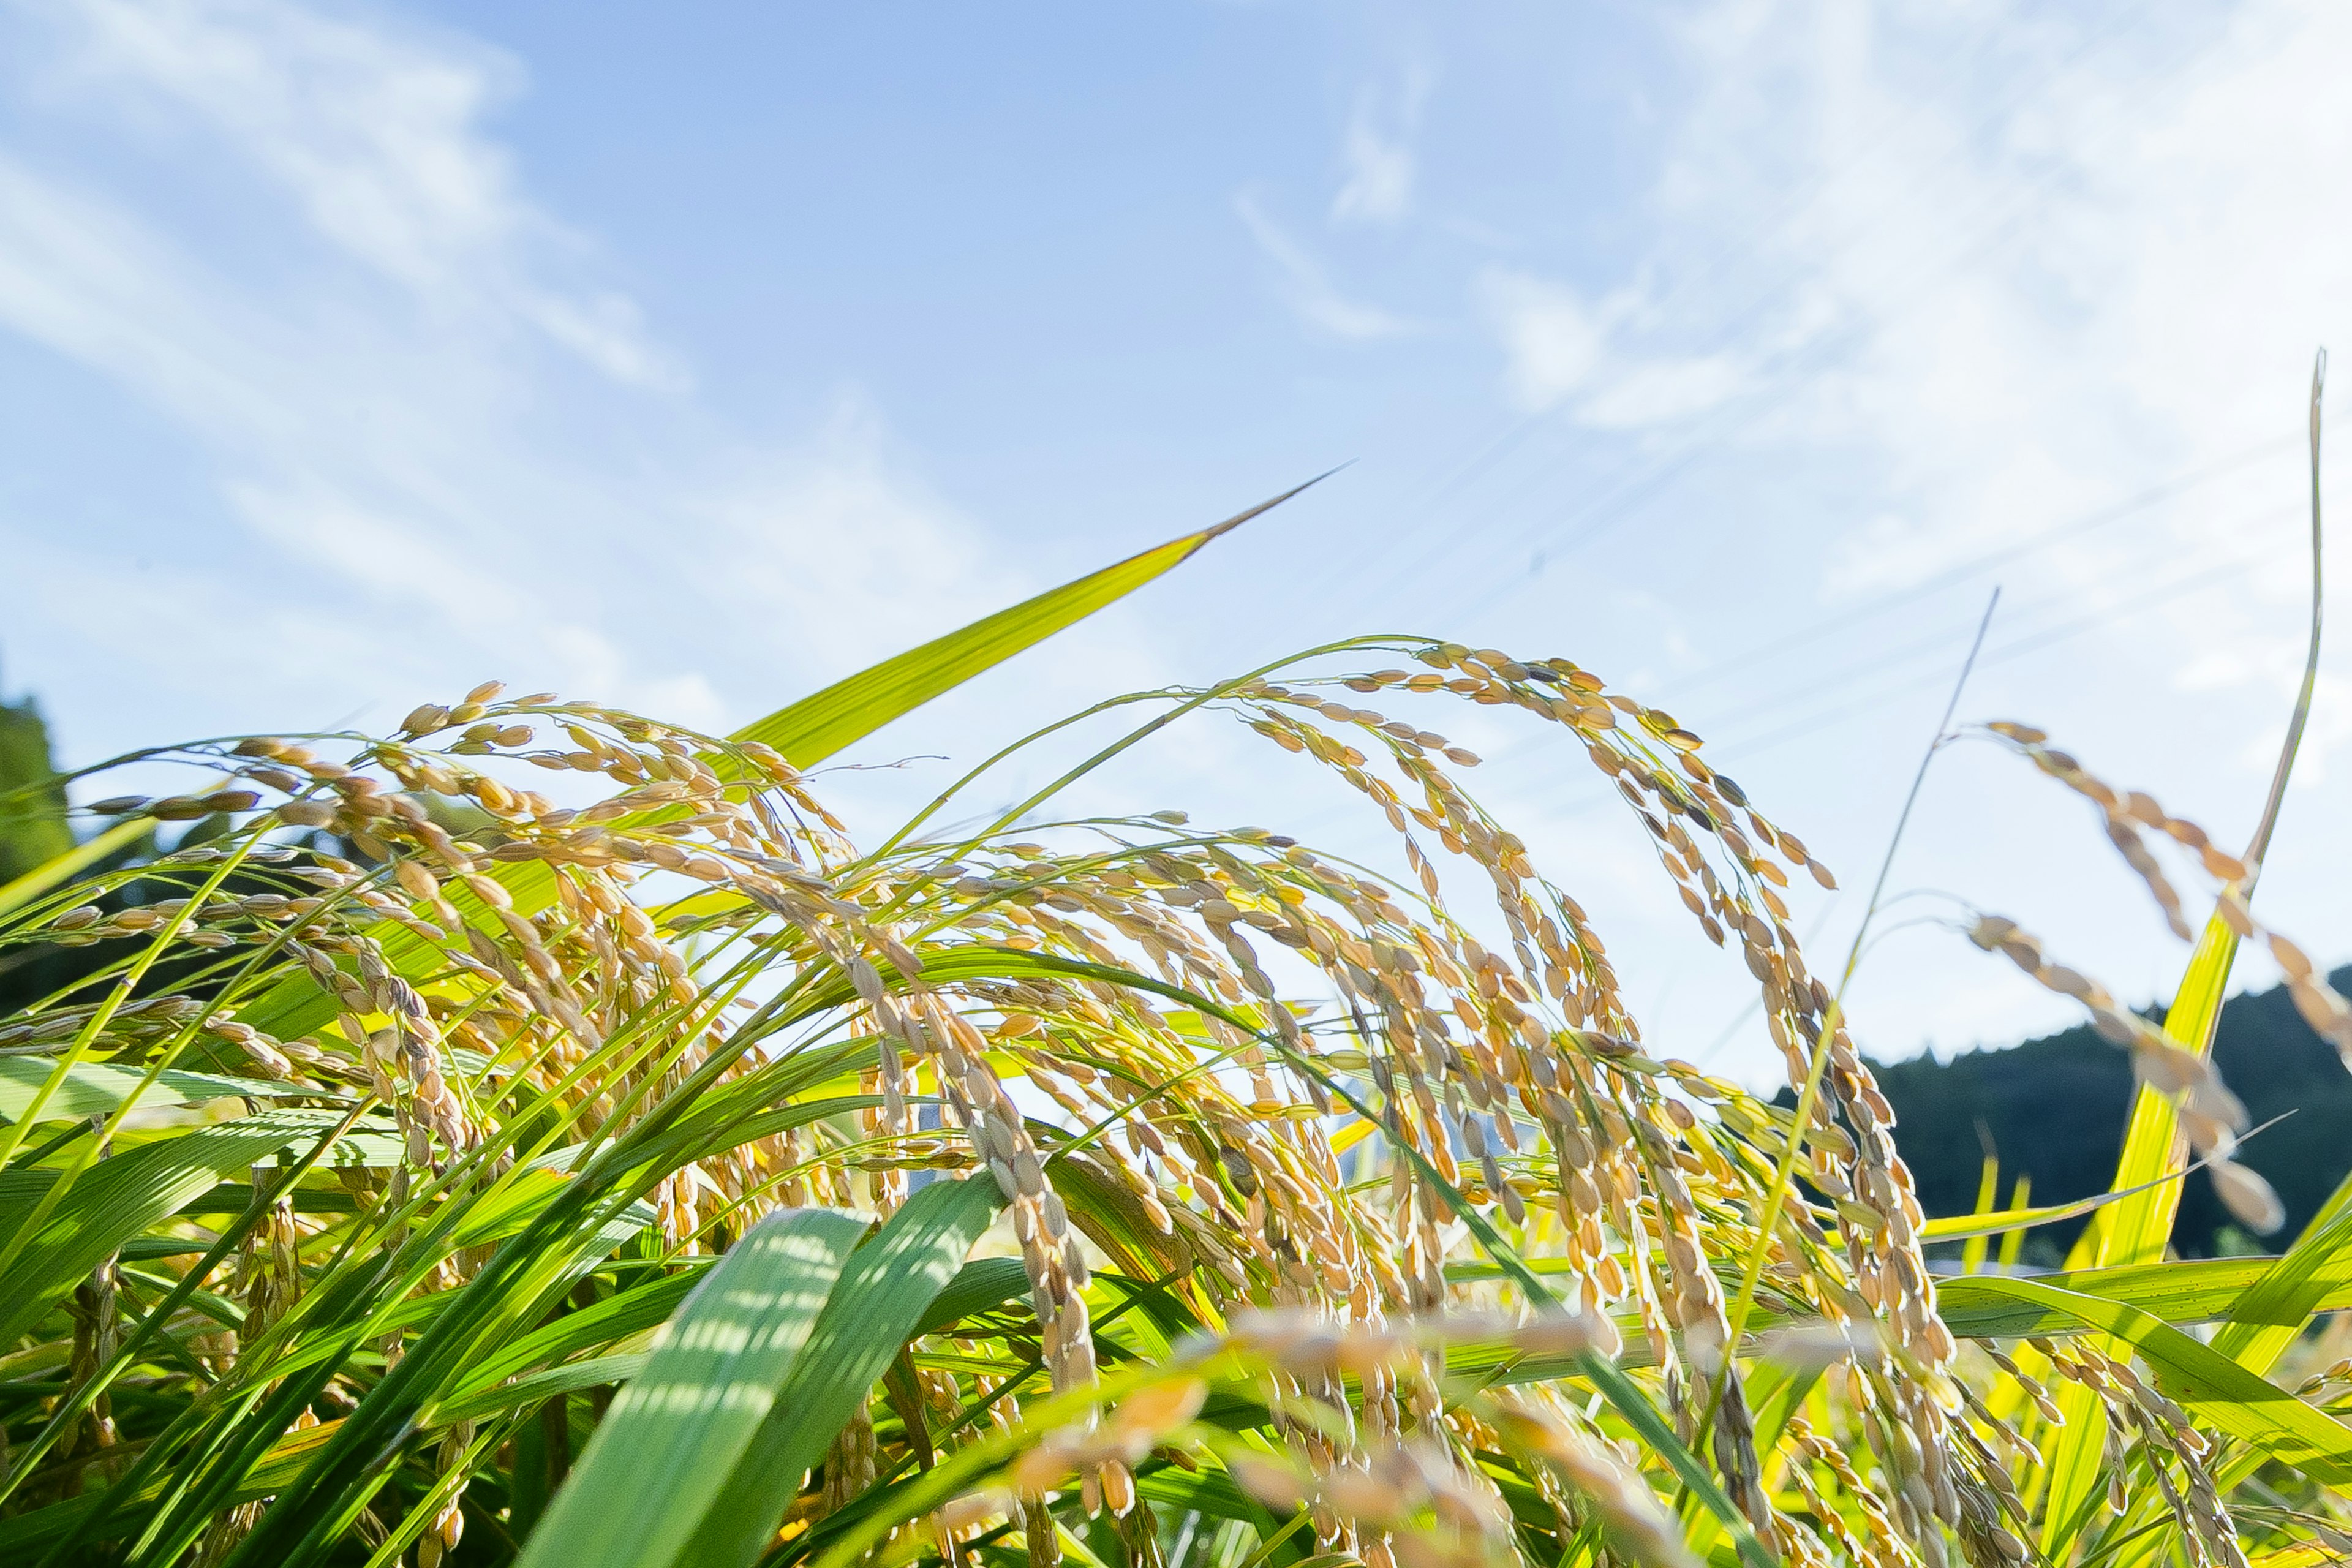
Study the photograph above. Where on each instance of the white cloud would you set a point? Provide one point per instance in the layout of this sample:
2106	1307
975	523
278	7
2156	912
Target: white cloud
1551	341
2087	262
2003	270
1970	275
1377	151
834	540
375	132
1558	349
1309	287
290	237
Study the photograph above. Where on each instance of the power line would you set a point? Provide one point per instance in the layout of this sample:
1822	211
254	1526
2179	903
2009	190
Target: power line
1879	661
1800	355
1674	693
2194	583
1639	482
1840	620
2039	539
1722	745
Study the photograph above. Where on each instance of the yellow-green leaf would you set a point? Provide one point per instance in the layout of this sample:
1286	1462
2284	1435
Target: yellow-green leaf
848	711
2316	1272
807	731
664	1450
43	877
2213	1389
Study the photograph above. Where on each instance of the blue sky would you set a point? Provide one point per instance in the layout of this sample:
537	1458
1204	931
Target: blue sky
691	356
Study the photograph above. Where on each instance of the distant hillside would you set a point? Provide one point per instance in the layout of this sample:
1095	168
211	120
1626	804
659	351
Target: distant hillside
2055	1108
32	825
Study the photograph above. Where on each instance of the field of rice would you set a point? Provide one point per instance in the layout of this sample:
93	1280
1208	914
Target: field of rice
407	1167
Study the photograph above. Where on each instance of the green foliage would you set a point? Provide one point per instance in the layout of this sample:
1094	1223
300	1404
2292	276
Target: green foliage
33	829
665	1179
666	1450
2054	1110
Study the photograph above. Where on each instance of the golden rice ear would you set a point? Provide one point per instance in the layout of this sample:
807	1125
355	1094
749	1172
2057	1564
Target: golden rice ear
1355	1191
2248	1196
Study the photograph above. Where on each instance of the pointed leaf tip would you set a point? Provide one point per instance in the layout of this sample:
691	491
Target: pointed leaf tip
1240	518
821	724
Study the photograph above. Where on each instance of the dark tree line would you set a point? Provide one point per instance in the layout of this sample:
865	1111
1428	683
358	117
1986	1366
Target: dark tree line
2054	1108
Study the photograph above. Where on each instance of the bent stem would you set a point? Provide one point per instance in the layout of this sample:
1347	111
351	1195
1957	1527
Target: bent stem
1809	1095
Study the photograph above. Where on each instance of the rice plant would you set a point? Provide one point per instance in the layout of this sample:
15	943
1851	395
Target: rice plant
417	1167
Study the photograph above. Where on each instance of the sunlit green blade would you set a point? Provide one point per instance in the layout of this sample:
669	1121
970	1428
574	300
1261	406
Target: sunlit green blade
2153	1148
666	1448
2211	1386
848	711
980	1286
600	1323
80	857
119	1197
2212	1290
2313	1277
884	1292
93	1088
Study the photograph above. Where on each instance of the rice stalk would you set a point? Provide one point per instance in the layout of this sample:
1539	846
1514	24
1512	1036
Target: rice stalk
1350	1207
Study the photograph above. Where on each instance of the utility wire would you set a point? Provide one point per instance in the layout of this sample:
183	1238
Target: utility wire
1638	482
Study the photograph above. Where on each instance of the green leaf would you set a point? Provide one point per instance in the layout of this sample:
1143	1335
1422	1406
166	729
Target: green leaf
592	1327
848	711
980	1285
1210	1490
93	1088
41	878
2221	1289
2136	1230
2211	1387
806	732
595	1372
117	1199
45	1527
882	1297
2315	1276
664	1449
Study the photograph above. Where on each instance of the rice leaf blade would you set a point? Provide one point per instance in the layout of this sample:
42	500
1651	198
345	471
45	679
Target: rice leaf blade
118	1198
2312	1277
93	1088
2208	1384
823	722
658	1460
881	1297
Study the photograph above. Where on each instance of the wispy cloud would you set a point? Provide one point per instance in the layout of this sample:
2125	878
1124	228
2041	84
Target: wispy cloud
2005	260
1984	273
2024	312
1560	350
374	130
1377	152
422	403
1308	287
